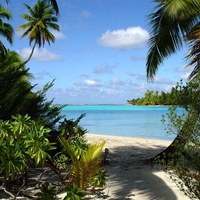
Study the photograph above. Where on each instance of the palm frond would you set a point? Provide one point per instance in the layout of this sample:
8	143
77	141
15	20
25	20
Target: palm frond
193	56
84	169
54	5
40	19
169	23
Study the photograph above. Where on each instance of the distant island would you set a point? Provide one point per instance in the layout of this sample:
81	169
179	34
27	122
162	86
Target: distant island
155	98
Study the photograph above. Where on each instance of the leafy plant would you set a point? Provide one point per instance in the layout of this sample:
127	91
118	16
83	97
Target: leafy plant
74	193
100	179
85	167
70	129
79	145
60	161
17	96
185	161
22	140
47	192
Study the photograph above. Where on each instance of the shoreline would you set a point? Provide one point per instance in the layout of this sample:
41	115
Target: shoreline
130	137
130	175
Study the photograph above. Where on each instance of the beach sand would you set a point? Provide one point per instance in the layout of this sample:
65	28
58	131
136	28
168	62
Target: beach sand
130	175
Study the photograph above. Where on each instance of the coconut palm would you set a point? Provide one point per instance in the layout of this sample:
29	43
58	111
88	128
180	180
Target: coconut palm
6	29
54	5
193	37
171	24
41	18
52	2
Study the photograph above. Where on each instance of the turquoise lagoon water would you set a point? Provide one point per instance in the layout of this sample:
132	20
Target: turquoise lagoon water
121	120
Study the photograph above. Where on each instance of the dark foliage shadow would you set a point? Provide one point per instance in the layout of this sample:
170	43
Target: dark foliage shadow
132	174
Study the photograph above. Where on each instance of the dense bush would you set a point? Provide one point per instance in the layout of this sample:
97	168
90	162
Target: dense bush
23	141
184	163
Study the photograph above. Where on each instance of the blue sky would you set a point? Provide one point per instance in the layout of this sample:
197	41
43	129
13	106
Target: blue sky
99	54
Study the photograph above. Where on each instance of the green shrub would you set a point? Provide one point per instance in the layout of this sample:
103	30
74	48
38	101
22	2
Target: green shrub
22	141
47	192
85	167
74	193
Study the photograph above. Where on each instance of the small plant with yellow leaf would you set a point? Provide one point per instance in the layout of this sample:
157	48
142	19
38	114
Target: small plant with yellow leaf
85	169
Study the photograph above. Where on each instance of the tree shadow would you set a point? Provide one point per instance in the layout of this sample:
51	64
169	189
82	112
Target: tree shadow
132	176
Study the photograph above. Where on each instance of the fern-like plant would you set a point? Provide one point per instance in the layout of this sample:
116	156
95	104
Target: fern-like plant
85	167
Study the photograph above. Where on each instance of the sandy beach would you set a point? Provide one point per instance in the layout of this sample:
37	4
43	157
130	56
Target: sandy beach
130	175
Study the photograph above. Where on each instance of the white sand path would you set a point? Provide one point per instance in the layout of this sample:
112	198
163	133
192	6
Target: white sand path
130	176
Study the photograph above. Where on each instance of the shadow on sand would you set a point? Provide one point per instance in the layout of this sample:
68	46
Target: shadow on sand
131	176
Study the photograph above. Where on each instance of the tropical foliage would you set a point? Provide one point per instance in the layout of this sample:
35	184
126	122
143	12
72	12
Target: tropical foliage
85	168
22	141
155	98
74	193
186	160
52	2
182	156
29	123
17	95
41	18
6	29
47	192
172	24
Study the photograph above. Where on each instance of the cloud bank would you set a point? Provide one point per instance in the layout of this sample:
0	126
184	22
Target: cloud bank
39	54
125	39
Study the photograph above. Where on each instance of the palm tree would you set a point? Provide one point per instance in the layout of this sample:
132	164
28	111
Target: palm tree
17	97
54	5
14	85
52	2
172	24
6	29
41	17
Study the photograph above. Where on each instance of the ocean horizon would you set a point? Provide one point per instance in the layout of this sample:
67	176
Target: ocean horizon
121	120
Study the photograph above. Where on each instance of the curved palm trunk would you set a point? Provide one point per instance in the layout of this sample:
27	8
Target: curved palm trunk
31	54
173	151
176	148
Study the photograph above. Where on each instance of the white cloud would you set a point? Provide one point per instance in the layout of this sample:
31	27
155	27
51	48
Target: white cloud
39	54
115	90
180	69
59	35
183	72
91	82
131	38
117	81
185	76
88	82
159	80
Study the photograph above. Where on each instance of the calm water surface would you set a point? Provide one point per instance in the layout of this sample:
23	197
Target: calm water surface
121	120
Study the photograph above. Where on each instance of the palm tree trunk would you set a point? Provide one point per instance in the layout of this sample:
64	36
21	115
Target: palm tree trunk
176	148
173	151
31	54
